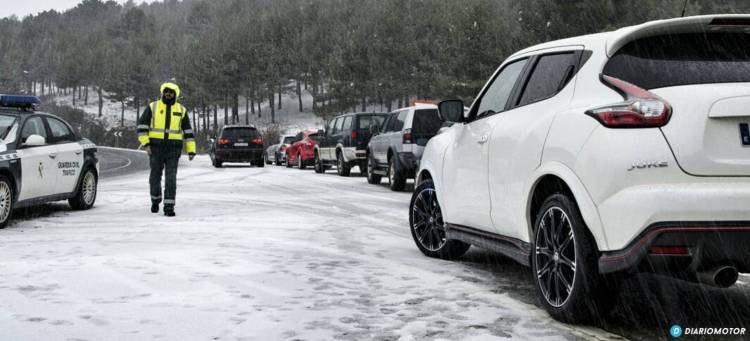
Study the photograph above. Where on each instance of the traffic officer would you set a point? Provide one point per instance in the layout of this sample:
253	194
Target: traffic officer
162	129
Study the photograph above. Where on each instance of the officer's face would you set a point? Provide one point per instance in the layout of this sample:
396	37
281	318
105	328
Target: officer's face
168	94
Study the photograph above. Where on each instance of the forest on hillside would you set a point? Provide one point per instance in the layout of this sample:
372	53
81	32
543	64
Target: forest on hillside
345	53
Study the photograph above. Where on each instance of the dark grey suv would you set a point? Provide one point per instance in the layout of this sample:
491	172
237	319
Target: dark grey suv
344	141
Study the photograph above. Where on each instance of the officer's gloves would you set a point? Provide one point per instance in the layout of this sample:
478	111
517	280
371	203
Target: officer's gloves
191	156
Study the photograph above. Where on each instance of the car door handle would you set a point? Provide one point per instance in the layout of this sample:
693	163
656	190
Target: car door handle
78	152
52	155
483	139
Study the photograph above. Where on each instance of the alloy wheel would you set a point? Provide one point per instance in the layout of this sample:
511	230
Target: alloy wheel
428	221
6	198
555	254
89	188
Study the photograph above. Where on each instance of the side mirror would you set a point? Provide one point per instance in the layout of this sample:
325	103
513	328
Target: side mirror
35	140
321	132
451	110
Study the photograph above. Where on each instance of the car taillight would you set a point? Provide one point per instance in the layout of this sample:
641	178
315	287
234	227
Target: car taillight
407	136
354	134
257	140
641	108
224	141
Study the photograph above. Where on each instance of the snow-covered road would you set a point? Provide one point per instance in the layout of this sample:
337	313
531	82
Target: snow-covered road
253	254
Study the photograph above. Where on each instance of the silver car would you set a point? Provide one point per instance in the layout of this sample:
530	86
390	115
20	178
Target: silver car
396	149
275	153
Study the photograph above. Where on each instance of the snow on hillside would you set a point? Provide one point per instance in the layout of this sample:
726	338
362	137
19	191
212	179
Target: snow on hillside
289	118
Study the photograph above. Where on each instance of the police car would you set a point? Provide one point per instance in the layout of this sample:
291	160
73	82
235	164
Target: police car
42	159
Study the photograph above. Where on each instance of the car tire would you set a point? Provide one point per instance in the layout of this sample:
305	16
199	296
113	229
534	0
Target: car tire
262	163
278	159
86	193
265	159
342	168
7	201
216	163
427	225
565	272
300	164
396	180
318	164
288	162
372	178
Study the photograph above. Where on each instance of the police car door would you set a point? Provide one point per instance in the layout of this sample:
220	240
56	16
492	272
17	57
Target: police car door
69	155
38	166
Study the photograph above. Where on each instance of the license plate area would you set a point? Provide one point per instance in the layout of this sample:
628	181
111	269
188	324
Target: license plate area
241	144
745	134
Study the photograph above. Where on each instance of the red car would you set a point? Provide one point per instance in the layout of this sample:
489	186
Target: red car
301	152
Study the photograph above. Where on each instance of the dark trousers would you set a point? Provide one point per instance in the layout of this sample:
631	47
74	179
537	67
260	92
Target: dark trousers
164	159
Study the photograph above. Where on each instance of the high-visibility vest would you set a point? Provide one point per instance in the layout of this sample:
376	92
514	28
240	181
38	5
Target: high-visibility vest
157	126
157	129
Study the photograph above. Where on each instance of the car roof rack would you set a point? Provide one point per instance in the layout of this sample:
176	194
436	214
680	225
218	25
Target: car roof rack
22	102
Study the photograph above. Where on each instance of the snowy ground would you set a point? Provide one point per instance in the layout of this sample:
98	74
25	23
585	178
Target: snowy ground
254	254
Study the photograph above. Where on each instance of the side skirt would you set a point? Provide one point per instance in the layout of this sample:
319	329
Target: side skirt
45	199
516	249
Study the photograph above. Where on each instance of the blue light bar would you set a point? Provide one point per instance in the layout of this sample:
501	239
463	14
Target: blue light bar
19	101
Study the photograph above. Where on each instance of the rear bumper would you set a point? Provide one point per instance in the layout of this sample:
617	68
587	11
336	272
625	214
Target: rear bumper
239	155
352	154
707	244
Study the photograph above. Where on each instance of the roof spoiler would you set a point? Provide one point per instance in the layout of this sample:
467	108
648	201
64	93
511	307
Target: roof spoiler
693	24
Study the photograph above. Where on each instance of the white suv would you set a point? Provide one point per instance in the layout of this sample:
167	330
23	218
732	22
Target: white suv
599	155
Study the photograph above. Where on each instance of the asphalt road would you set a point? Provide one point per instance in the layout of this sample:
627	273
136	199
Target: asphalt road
115	162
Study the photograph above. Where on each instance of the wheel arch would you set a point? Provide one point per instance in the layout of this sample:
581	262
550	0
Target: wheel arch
14	183
558	178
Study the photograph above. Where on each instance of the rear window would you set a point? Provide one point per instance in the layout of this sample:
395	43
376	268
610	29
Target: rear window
365	121
240	133
426	122
288	139
683	59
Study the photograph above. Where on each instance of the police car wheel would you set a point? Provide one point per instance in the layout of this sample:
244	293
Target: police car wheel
86	196
6	201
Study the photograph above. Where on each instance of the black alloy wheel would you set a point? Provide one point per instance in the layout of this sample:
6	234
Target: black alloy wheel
564	264
428	227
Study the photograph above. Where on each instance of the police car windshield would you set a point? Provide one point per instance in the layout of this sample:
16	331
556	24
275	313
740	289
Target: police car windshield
6	123
289	140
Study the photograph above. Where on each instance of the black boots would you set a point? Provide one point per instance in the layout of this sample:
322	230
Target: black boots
154	208
169	212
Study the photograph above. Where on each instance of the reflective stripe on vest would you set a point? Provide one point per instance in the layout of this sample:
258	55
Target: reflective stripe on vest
157	130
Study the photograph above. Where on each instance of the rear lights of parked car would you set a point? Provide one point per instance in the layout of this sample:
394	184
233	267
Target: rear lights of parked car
257	140
641	108
408	137
354	134
224	141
